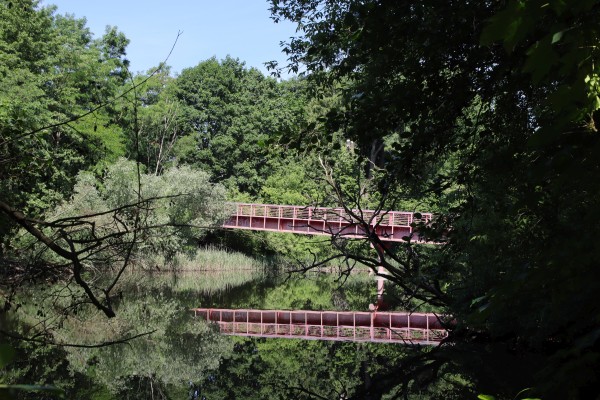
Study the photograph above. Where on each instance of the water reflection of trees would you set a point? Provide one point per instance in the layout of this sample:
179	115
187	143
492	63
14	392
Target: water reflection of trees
279	369
160	365
180	349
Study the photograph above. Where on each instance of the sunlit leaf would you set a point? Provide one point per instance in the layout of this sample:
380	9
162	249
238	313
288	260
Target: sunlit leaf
557	36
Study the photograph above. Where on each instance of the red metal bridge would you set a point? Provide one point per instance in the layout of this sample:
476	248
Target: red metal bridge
386	327
392	226
382	327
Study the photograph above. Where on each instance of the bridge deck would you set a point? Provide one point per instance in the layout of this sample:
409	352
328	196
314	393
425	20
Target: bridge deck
384	327
392	226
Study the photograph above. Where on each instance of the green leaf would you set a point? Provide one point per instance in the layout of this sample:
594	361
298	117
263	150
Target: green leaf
502	27
478	238
557	36
508	26
541	57
595	103
485	397
478	300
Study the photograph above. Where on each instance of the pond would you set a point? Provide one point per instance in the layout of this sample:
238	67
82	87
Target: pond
181	357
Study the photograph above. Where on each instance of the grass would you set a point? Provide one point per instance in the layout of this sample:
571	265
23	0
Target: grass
215	259
195	282
204	259
208	271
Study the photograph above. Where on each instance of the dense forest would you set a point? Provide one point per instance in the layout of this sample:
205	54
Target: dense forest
483	113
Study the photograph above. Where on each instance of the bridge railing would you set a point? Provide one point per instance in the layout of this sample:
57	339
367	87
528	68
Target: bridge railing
381	218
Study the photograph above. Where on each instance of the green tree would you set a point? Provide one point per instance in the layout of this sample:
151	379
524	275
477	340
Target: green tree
159	120
230	113
51	71
493	108
177	218
180	349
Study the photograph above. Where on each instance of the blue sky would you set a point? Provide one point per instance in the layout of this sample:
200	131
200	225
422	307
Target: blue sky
239	28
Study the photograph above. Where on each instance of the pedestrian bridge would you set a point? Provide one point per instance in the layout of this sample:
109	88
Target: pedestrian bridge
391	226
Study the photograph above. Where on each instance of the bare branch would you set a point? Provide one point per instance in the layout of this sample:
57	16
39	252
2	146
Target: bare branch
125	340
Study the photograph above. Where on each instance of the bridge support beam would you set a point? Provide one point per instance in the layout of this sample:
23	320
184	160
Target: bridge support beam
379	303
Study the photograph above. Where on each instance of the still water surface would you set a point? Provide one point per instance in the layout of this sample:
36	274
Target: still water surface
187	358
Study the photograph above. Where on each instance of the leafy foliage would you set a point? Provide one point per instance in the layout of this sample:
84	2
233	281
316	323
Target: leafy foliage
229	114
494	110
179	350
177	218
52	70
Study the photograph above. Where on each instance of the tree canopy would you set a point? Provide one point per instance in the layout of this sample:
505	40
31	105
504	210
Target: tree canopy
493	106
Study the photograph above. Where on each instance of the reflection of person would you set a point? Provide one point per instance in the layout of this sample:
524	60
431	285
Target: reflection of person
195	392
380	304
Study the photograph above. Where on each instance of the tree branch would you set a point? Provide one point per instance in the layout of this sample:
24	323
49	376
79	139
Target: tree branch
84	346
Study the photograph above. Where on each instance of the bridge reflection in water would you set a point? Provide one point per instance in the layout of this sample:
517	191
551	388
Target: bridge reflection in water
383	327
